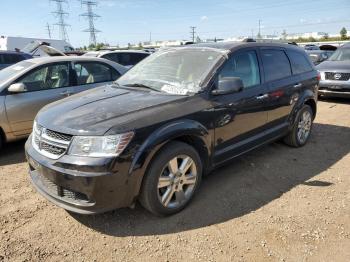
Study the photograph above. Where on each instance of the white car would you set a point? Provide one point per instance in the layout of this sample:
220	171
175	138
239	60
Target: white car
127	58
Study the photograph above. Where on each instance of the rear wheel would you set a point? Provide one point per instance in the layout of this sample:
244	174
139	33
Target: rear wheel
1	140
301	130
172	179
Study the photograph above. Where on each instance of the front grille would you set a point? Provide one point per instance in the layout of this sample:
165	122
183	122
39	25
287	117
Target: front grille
50	143
61	192
337	76
58	136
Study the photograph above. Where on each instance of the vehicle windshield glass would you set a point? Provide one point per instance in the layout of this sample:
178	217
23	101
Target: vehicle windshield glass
13	70
179	71
342	54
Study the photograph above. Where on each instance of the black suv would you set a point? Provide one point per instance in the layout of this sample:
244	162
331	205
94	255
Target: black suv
173	117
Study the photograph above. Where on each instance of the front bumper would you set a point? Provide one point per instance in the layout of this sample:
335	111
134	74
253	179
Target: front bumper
334	88
81	184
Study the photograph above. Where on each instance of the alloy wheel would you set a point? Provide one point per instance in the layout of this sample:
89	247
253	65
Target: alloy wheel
304	126
177	181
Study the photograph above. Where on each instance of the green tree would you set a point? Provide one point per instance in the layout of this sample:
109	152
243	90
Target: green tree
343	33
325	37
311	39
284	34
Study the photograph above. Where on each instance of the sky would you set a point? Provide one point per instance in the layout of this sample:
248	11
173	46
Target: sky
132	21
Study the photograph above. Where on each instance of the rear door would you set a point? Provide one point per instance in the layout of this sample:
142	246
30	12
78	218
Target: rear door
44	84
92	74
282	86
240	118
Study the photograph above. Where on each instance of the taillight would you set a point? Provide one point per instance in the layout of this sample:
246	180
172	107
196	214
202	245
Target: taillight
318	76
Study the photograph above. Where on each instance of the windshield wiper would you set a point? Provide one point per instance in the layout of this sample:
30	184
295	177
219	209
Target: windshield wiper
141	85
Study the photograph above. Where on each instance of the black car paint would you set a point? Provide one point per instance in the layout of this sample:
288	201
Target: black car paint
219	127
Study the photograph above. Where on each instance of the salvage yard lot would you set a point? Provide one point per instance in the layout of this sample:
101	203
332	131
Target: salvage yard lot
273	204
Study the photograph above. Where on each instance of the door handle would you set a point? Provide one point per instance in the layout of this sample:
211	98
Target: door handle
66	93
298	85
261	97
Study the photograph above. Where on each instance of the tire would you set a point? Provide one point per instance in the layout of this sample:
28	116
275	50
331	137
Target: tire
303	121
1	140
163	197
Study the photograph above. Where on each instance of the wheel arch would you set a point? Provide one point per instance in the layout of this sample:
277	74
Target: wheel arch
305	98
187	131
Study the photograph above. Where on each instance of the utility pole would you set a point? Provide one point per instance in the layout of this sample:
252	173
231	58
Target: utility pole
91	16
61	14
259	34
48	28
150	37
193	32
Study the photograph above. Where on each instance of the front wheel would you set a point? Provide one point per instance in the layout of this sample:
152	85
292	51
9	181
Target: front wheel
301	129
172	179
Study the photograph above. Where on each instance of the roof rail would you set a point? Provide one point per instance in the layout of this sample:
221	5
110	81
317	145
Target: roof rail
267	40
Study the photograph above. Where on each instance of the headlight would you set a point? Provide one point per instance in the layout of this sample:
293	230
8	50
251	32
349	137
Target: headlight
100	146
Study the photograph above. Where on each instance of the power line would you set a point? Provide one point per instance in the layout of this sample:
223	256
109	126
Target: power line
91	16
193	32
61	14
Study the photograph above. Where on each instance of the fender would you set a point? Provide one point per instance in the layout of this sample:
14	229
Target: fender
303	98
166	133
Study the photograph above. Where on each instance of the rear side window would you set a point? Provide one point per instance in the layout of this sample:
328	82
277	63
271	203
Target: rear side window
113	57
276	64
135	58
89	73
299	62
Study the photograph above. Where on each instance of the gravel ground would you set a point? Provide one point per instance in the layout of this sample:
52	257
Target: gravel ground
273	204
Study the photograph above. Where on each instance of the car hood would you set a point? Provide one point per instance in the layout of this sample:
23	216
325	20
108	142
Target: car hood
96	111
334	66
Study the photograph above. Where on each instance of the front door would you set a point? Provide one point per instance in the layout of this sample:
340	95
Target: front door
240	118
44	85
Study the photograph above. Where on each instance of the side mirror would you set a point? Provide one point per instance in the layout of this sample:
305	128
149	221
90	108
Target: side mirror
228	85
17	88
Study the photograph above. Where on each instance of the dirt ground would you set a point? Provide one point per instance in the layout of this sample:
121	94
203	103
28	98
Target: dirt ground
273	204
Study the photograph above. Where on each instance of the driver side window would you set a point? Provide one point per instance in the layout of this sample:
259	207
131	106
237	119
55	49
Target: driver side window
47	77
243	65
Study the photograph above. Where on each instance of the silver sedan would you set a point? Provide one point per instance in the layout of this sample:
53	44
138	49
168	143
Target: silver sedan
31	84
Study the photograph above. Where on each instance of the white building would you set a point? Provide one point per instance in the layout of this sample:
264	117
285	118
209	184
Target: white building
12	43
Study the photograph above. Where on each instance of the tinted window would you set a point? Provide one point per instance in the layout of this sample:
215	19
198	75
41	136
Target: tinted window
11	58
244	66
135	58
89	73
276	64
299	62
113	57
47	77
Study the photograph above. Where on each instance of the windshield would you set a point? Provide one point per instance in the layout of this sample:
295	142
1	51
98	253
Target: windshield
342	54
7	72
179	71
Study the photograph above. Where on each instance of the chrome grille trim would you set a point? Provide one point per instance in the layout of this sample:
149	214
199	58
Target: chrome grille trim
342	76
48	142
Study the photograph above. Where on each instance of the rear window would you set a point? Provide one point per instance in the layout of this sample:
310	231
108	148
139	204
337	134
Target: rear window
300	64
276	64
